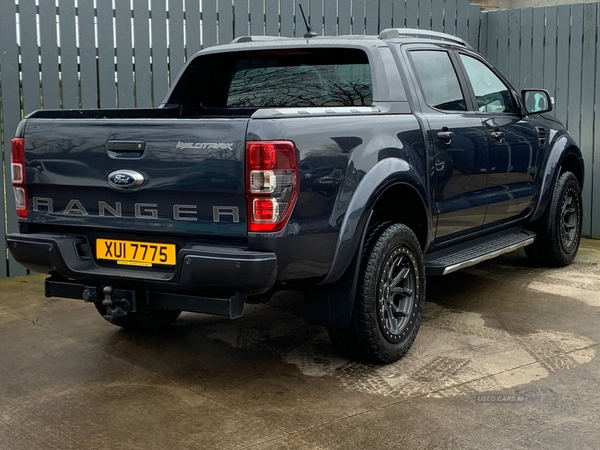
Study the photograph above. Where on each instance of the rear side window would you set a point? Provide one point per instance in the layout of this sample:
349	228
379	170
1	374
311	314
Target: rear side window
438	80
278	78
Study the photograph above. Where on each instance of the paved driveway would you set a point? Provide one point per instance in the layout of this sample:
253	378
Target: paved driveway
506	358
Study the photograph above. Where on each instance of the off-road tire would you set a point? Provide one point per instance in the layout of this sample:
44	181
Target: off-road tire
389	299
559	229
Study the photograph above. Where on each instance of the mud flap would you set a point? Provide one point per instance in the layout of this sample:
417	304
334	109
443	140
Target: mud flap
331	305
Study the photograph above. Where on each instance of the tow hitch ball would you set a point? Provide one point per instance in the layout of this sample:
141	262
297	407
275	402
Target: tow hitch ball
115	307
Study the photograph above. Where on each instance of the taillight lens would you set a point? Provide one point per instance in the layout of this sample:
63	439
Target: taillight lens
17	169
272	184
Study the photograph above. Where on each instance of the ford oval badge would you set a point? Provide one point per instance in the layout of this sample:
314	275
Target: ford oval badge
125	179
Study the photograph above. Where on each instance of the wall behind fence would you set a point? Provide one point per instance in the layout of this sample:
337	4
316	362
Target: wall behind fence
125	53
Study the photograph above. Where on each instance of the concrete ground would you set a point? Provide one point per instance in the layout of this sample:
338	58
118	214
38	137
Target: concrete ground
506	358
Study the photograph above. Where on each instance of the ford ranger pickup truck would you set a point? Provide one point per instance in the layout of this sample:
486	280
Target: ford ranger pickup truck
347	167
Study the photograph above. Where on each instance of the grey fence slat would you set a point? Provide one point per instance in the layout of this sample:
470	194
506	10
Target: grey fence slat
412	14
271	17
124	47
514	31
473	26
240	8
385	14
491	50
372	16
462	18
10	115
192	26
425	14
526	48
345	18
288	12
503	20
358	17
87	54
29	56
574	67
590	29
49	53
160	70
575	77
257	21
106	56
537	52
437	15
225	21
209	23
450	17
141	37
399	14
330	17
550	50
483	33
316	15
595	180
562	61
68	55
176	42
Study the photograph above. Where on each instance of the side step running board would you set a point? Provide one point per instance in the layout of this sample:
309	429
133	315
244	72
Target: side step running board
468	254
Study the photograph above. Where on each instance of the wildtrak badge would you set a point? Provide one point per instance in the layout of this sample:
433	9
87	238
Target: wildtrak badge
211	145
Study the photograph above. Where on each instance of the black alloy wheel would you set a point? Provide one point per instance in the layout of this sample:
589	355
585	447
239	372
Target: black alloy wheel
389	300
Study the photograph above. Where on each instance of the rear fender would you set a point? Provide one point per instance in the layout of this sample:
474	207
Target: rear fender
384	174
331	302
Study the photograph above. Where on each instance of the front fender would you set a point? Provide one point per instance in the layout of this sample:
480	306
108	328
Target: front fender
384	174
561	148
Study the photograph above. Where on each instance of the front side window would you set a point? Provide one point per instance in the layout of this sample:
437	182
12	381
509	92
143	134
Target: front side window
491	93
438	80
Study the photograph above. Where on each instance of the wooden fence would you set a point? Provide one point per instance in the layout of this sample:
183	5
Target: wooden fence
69	53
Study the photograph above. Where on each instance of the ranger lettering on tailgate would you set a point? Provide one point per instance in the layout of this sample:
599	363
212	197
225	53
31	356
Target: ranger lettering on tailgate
141	210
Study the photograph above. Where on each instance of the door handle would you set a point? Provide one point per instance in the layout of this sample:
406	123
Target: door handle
125	149
497	135
445	135
126	146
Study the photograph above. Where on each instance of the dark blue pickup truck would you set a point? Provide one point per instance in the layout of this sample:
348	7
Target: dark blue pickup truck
348	167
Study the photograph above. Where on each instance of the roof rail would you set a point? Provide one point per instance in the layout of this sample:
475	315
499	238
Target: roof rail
392	33
242	39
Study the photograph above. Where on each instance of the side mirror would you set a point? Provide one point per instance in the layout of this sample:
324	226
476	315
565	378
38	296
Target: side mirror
537	101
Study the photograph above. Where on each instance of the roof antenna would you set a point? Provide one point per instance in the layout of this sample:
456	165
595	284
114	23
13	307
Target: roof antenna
309	31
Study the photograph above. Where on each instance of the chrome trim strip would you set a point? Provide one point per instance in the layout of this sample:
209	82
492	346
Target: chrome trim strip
491	255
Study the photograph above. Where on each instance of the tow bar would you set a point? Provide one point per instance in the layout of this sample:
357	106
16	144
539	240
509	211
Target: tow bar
118	302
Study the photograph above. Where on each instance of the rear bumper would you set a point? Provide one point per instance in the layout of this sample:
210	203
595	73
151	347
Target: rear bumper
198	267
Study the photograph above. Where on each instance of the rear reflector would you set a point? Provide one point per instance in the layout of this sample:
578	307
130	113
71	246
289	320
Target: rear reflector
265	210
272	184
17	165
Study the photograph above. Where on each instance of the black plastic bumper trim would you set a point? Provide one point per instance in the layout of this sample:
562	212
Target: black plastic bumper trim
198	266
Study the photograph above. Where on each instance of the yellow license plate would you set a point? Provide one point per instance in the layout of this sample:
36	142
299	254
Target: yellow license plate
133	253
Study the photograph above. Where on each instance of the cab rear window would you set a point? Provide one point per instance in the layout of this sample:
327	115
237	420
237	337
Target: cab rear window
278	79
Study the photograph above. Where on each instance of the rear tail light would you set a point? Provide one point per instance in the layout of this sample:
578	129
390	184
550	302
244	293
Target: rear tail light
17	168
272	183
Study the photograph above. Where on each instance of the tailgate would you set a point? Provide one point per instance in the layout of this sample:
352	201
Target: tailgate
141	175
